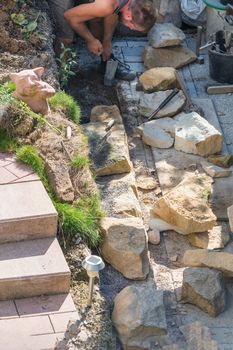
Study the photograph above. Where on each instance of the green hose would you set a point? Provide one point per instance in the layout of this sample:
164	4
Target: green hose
216	4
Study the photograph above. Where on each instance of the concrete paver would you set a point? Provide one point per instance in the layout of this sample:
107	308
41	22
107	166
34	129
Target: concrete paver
8	309
46	304
60	321
32	268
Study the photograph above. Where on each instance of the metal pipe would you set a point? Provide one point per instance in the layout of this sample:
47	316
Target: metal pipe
91	288
198	40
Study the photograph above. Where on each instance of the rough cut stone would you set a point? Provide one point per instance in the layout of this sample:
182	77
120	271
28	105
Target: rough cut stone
198	337
216	238
104	113
186	206
164	35
175	57
126	204
145	182
204	258
171	12
149	102
124	246
195	135
157	79
153	236
215	171
230	216
158	133
113	157
139	316
59	178
204	288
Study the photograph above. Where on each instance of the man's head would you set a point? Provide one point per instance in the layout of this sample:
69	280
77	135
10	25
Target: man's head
139	15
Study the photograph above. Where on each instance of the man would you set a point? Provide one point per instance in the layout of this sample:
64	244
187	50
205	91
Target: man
96	21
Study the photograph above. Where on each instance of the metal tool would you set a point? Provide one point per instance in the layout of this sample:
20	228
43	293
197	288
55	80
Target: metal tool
164	103
200	59
104	139
110	72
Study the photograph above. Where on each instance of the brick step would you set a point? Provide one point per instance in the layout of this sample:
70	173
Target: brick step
32	268
26	212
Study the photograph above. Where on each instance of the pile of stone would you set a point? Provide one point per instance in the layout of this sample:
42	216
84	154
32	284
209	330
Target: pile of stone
165	47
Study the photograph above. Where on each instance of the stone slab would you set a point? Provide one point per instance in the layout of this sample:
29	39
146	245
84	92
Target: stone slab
60	321
46	304
172	165
32	268
8	309
26	212
6	158
6	176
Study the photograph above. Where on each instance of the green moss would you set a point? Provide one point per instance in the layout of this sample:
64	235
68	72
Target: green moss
80	162
7	142
65	103
6	92
84	218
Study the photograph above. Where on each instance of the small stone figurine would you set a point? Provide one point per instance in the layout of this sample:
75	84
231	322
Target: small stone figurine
32	90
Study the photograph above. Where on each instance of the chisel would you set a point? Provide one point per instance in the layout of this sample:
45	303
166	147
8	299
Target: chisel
164	103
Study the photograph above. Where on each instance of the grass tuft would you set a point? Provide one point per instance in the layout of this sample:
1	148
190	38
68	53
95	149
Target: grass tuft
65	103
7	142
80	162
83	219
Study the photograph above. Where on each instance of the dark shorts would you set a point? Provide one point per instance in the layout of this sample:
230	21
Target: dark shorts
58	7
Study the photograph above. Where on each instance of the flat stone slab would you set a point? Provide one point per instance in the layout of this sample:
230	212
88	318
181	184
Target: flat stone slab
149	102
33	268
175	57
172	165
26	212
164	35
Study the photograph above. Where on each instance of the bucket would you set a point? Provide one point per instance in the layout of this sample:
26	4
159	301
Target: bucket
221	66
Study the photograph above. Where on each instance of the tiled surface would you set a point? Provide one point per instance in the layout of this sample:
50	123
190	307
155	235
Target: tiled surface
47	323
12	171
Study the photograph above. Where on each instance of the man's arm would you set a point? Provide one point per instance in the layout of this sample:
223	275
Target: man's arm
110	23
78	15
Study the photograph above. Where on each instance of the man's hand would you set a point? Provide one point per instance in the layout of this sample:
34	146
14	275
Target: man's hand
95	47
107	50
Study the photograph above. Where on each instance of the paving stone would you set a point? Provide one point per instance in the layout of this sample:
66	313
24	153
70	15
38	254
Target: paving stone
133	51
32	268
29	326
6	176
19	170
6	159
26	212
28	178
60	321
46	304
8	309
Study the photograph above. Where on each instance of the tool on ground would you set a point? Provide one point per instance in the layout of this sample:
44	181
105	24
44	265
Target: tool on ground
220	89
164	103
200	59
206	45
104	139
110	72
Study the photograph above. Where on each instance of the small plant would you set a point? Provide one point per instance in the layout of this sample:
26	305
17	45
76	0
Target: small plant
6	93
7	142
27	27
65	103
80	162
67	60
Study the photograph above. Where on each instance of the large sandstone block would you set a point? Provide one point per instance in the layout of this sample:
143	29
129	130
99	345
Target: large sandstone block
175	57
216	238
196	135
204	258
157	79
149	102
164	35
186	206
104	113
158	133
139	316
230	216
113	157
204	288
124	246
